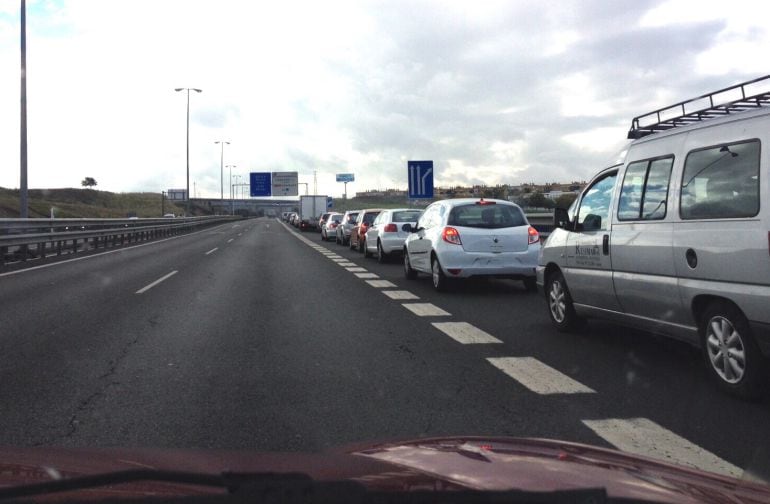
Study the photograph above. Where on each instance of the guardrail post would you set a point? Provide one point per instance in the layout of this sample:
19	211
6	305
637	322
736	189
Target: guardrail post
41	249
58	248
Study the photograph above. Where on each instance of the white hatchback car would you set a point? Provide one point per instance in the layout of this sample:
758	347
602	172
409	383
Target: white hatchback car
386	236
461	238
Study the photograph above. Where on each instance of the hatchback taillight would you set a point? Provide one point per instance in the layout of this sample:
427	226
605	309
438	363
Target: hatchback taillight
333	225
451	235
391	228
534	236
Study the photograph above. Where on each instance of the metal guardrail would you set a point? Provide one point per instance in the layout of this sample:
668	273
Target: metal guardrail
26	239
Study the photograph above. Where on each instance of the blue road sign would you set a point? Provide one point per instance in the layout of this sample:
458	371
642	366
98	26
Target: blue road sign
329	202
346	177
260	184
420	174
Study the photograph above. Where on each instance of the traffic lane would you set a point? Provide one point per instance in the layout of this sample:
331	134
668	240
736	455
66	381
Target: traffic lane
636	374
60	334
249	355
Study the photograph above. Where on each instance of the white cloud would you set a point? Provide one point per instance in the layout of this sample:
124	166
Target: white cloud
493	92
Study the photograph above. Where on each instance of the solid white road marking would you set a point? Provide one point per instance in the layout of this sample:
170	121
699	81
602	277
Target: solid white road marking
122	249
538	377
398	294
426	310
380	283
366	275
212	251
356	268
465	333
231	239
644	437
156	282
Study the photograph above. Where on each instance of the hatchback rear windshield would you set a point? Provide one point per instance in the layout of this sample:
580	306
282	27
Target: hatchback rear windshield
370	216
336	218
407	216
486	216
352	217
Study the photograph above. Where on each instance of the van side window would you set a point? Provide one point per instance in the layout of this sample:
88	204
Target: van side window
594	211
721	182
644	194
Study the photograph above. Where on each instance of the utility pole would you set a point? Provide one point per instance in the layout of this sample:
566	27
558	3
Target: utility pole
222	168
187	195
23	203
162	203
315	182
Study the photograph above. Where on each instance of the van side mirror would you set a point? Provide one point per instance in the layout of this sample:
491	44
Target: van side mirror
561	219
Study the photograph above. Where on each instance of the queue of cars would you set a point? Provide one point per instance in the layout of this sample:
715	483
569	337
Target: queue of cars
450	240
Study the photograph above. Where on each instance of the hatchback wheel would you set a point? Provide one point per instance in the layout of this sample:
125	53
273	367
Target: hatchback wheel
530	283
732	357
440	281
381	256
560	307
410	273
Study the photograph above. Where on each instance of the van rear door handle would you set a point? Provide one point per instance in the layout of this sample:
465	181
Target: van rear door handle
606	245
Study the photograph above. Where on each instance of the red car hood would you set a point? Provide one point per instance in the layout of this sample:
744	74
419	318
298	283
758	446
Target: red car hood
427	464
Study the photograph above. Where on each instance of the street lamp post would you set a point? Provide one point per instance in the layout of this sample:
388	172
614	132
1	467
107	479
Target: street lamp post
232	190
222	168
187	204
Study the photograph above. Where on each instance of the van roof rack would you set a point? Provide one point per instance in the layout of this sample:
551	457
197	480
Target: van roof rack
707	106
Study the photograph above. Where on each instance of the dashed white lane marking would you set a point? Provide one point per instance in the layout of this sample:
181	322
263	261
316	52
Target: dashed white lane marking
346	264
212	251
231	239
156	282
239	234
398	294
538	377
341	259
356	269
366	275
644	437
335	256
381	284
426	310
465	333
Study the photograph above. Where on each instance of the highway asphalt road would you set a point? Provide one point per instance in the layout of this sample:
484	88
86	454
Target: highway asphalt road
254	336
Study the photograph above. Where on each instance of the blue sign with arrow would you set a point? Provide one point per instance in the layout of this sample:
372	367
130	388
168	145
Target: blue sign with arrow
420	175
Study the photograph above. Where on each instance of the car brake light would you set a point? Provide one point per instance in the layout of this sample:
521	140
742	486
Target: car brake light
482	201
451	235
534	236
333	225
391	228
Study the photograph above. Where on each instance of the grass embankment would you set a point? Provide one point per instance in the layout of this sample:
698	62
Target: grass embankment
86	203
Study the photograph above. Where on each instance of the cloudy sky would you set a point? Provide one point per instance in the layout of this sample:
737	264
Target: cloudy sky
492	91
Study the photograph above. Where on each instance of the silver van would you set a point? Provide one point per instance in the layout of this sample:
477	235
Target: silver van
675	238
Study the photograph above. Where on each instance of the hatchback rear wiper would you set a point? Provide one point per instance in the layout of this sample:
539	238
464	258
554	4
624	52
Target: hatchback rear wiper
295	487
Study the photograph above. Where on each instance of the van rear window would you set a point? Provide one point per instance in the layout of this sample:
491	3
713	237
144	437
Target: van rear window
721	182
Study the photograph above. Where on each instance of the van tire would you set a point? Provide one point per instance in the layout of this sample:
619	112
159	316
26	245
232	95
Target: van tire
724	327
561	311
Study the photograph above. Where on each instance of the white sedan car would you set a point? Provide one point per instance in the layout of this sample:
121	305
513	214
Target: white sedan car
461	238
386	236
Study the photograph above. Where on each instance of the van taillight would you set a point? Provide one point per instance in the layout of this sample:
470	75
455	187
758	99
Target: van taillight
391	228
534	236
451	235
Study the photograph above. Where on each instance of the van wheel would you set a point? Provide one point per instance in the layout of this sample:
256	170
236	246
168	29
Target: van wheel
410	273
560	307
732	357
440	281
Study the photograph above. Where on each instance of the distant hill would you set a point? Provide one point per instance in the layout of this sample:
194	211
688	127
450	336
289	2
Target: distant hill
87	203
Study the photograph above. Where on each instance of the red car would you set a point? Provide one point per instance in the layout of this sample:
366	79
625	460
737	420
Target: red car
363	221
